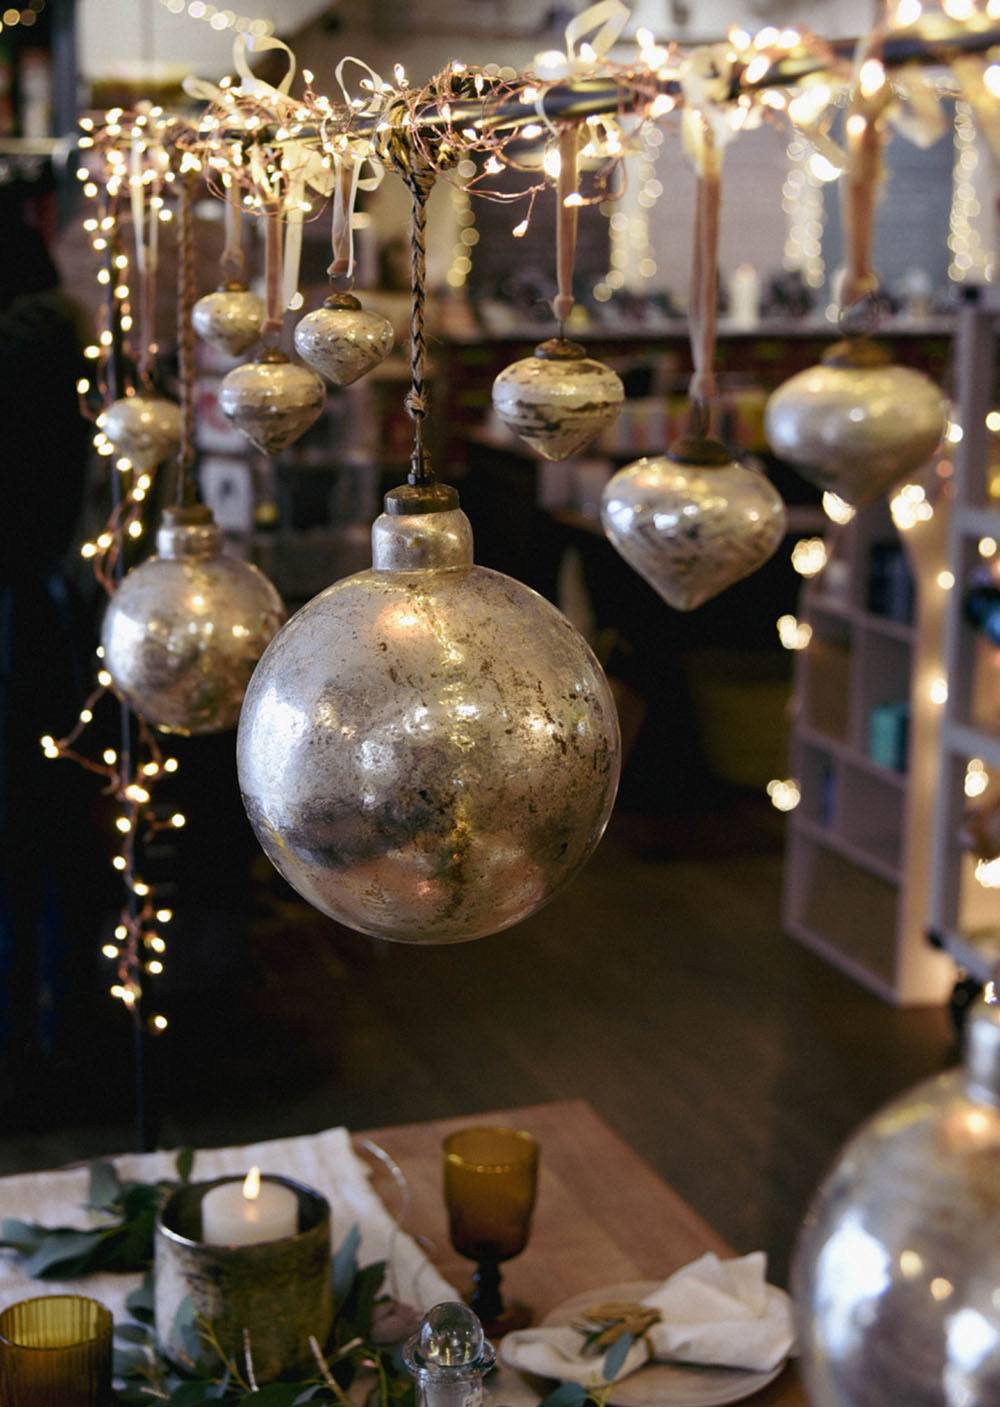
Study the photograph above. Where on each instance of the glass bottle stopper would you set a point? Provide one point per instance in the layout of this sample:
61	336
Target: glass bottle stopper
448	1356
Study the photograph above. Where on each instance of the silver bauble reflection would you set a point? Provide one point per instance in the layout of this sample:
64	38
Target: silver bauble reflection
558	399
271	400
182	633
428	750
693	521
896	1271
342	340
143	428
857	423
229	319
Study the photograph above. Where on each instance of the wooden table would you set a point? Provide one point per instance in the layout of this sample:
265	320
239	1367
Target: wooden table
602	1217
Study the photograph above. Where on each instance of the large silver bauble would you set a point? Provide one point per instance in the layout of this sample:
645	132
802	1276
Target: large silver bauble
428	750
342	340
693	521
185	628
230	318
143	428
272	400
857	423
558	399
896	1272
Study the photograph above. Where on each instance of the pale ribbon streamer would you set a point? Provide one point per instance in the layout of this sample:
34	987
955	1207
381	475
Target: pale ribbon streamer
607	18
349	156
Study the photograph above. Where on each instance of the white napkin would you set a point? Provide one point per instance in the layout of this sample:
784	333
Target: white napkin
325	1161
712	1311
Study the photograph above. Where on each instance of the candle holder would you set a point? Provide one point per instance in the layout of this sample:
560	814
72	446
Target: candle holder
277	1292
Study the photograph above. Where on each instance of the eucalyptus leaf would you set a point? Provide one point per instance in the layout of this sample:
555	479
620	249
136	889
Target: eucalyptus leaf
345	1263
616	1355
566	1395
140	1302
131	1333
184	1164
105	1186
194	1394
21	1236
63	1251
278	1395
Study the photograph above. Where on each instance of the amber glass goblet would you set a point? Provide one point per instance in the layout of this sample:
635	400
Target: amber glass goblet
490	1179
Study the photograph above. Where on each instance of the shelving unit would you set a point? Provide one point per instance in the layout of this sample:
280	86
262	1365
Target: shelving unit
863	742
963	915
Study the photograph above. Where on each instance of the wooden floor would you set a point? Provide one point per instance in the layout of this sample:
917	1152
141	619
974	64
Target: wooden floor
658	986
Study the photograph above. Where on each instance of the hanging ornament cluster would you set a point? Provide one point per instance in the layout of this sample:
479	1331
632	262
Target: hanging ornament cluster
185	629
229	319
342	340
271	400
695	520
858	423
896	1265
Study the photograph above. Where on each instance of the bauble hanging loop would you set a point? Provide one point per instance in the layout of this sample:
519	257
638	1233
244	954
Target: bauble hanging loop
185	628
342	340
693	521
428	751
856	423
144	428
272	400
558	399
230	318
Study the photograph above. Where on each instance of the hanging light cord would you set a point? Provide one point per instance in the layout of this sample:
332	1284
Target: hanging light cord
420	180
185	342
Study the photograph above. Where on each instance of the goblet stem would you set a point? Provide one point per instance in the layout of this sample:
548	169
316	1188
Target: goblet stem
486	1299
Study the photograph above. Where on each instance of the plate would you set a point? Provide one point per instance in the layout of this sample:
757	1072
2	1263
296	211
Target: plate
662	1384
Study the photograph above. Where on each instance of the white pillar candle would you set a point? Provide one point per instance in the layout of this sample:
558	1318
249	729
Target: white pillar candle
242	1214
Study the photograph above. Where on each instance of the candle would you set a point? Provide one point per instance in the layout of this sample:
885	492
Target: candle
235	1214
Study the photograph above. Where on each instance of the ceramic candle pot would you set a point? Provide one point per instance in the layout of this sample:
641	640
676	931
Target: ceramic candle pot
693	521
558	399
230	318
342	340
271	400
145	429
855	424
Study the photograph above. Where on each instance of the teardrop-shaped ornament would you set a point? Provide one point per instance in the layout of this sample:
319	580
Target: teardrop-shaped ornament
693	521
229	319
271	400
343	340
856	423
558	399
143	428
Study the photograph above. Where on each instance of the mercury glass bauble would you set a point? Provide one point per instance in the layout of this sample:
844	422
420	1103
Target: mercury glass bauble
342	340
271	400
693	521
229	319
857	423
428	750
185	628
143	428
896	1271
558	399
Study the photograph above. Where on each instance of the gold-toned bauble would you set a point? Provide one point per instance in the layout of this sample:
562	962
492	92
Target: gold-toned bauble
185	628
856	423
692	521
428	750
558	399
143	428
272	400
229	319
342	340
896	1269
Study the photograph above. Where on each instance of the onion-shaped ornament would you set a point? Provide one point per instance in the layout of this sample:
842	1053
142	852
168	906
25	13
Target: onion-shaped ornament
428	750
143	428
185	628
229	319
558	399
342	340
271	400
692	521
897	1263
856	423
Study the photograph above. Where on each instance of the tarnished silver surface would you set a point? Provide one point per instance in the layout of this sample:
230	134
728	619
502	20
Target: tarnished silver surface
692	529
185	628
855	429
271	400
279	1291
229	319
146	429
428	750
896	1272
342	340
558	399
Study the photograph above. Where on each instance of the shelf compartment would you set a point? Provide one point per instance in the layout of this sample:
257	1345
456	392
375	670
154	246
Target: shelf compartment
872	815
826	679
